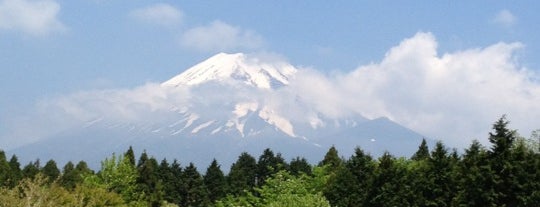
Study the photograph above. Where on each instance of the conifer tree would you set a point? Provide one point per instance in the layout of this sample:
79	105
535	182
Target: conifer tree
196	194
242	174
215	182
268	165
176	194
31	169
422	153
15	171
440	177
69	178
148	181
387	187
299	165
51	171
4	170
130	156
331	158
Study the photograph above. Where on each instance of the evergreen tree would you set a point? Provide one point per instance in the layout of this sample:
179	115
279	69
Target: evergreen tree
387	187
31	169
179	189
15	171
350	186
215	182
5	171
70	177
166	176
83	169
130	156
422	153
196	194
147	179
331	158
268	165
442	186
242	175
51	171
299	165
502	140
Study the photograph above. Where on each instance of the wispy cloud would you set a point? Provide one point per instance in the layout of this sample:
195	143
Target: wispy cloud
35	18
161	14
505	18
219	36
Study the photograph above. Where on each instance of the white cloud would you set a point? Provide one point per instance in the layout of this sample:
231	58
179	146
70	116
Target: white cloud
219	36
31	17
505	18
454	97
161	14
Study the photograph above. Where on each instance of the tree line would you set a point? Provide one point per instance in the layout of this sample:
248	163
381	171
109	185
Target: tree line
507	173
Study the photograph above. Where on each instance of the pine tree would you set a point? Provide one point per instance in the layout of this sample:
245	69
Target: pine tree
147	179
16	173
69	178
351	184
31	169
5	171
440	177
166	176
196	194
242	174
130	156
215	182
51	171
268	165
502	140
331	158
176	194
387	188
299	165
83	169
422	153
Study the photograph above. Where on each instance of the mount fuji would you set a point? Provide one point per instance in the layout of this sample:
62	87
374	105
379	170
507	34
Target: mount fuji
225	105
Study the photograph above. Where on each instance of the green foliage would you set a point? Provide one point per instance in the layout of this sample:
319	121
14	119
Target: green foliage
215	182
242	175
51	171
299	165
422	153
31	169
268	165
331	158
15	172
5	170
195	191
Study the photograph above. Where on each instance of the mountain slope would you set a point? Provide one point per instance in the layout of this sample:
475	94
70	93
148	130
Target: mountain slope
235	103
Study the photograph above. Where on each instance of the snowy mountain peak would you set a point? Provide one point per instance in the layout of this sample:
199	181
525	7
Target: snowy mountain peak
237	67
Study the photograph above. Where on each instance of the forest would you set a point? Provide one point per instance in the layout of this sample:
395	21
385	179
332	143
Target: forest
505	173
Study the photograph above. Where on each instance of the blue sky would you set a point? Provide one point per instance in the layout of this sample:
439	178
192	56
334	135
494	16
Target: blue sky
52	48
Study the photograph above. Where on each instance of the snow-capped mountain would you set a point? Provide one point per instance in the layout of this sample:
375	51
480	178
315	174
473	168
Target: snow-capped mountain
235	103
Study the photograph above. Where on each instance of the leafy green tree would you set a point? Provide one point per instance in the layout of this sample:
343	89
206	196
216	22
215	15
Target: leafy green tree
196	194
299	165
442	186
69	176
422	153
51	171
242	175
215	182
83	169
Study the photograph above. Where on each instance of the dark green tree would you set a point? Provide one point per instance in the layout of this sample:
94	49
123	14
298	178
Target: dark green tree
147	180
130	156
196	194
83	169
299	165
242	175
268	165
215	182
31	169
442	186
332	159
350	186
179	189
15	171
4	170
422	153
388	188
70	177
51	171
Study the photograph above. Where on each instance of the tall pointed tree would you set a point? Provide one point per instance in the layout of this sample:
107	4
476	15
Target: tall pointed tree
215	182
422	153
31	169
331	158
242	174
51	171
196	194
16	173
4	170
299	165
